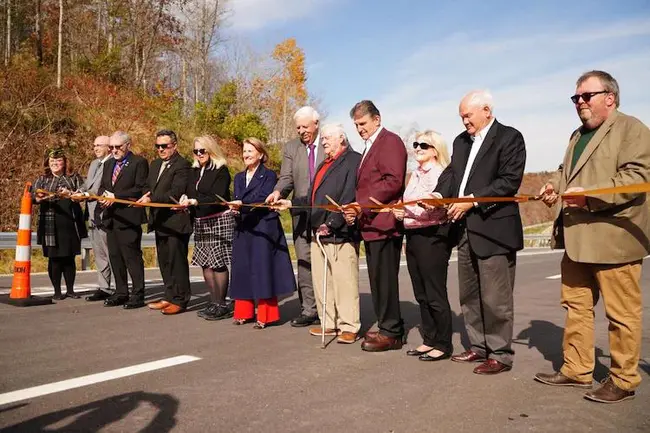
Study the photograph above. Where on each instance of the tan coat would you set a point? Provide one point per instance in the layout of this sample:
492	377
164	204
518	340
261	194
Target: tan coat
614	228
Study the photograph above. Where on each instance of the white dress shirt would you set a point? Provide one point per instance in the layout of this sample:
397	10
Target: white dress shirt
369	142
478	142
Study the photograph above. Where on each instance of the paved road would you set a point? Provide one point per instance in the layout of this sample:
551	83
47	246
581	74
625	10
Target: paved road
279	380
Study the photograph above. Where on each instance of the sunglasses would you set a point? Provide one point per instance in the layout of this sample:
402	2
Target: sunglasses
118	147
162	146
586	96
423	146
199	152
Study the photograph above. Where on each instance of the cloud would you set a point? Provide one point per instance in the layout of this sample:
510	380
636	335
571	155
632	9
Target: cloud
251	15
530	76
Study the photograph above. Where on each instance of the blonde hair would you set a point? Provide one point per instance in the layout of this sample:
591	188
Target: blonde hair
259	146
214	152
434	139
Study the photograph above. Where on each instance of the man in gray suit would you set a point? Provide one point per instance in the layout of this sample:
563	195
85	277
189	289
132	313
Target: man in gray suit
95	233
300	159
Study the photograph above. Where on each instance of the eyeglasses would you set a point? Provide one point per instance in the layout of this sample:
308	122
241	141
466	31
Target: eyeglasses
586	96
118	147
162	146
423	146
199	152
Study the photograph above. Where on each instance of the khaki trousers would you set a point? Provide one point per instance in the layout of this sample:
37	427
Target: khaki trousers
619	285
342	310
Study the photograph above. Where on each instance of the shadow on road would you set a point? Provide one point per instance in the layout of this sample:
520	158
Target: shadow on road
95	416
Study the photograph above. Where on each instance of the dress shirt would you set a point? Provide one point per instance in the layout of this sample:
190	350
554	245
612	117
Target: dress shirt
369	143
476	146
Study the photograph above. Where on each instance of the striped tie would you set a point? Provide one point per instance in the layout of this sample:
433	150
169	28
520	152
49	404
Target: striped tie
116	171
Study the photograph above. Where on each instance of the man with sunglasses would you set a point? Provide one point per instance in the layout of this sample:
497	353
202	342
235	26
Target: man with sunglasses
168	177
488	161
605	238
124	177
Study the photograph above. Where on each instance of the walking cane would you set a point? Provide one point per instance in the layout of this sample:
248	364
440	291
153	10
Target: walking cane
324	318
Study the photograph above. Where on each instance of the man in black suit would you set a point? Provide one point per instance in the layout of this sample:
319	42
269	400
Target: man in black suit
168	176
488	161
124	177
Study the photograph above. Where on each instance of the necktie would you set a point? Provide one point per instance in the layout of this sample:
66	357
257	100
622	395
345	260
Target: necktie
311	158
162	168
116	171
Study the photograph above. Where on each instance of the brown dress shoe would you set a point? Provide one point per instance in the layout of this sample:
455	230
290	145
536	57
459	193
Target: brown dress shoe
329	332
381	343
468	356
371	335
609	393
492	366
558	379
158	305
172	309
347	337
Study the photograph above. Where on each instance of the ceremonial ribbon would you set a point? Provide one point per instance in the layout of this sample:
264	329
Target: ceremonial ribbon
377	207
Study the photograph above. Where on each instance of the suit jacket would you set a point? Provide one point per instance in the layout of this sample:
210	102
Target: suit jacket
91	184
214	181
339	182
294	177
171	183
497	171
381	176
130	185
614	228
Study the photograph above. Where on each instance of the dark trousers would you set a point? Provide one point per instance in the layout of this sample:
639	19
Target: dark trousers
383	257
175	270
125	253
62	266
486	299
427	257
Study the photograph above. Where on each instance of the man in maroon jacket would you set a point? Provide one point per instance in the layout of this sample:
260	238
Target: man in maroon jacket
381	176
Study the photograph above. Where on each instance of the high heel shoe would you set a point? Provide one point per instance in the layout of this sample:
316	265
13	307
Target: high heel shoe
259	325
241	321
72	295
415	352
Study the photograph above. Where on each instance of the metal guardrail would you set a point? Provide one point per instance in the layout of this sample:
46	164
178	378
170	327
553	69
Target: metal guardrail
8	242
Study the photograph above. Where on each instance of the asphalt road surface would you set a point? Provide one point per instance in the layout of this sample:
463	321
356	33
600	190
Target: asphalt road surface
78	366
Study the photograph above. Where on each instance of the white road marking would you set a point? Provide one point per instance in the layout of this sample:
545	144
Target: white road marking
64	385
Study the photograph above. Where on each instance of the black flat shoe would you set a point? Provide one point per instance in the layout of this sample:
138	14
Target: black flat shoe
415	352
99	295
131	305
72	295
115	301
427	357
59	297
302	321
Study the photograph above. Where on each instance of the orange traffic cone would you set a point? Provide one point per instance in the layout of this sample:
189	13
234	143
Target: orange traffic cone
21	284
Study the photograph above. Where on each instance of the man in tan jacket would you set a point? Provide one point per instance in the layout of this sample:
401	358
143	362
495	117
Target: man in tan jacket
605	238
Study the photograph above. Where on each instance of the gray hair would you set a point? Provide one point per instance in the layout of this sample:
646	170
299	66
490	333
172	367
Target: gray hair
480	98
609	83
123	136
335	129
307	112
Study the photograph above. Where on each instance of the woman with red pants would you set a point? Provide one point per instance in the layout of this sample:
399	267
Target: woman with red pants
261	266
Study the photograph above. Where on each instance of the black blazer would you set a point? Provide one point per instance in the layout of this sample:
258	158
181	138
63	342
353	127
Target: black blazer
216	181
130	185
340	183
172	183
492	228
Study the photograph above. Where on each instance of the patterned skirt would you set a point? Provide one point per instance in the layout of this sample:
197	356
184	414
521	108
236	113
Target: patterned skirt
213	240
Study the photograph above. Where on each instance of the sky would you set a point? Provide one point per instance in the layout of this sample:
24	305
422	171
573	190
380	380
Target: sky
417	58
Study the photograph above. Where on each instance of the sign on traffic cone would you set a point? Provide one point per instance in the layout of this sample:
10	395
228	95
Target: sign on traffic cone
21	285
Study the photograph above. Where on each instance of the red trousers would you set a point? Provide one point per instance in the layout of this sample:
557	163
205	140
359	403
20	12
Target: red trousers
267	310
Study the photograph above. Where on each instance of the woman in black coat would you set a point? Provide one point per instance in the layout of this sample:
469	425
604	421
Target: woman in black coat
60	223
213	224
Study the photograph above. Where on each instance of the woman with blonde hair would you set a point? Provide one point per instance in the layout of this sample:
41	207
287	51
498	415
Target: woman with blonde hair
262	268
213	224
428	247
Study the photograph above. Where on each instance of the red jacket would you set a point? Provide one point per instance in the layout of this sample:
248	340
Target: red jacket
381	176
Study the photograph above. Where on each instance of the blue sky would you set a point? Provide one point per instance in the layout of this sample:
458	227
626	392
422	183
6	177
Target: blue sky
416	59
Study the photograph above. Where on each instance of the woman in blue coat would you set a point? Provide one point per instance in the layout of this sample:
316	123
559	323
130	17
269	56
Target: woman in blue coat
261	266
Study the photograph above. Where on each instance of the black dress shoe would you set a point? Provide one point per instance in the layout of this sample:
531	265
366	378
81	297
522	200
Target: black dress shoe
220	312
115	301
427	357
131	304
72	295
302	321
99	295
415	352
207	311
